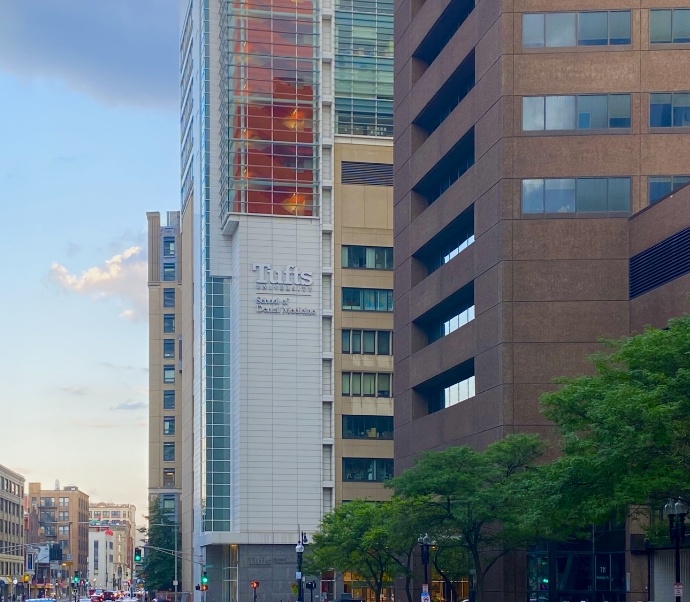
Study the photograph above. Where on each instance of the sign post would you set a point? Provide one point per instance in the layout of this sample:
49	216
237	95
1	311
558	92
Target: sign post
678	590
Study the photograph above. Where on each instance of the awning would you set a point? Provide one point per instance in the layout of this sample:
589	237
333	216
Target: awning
5	581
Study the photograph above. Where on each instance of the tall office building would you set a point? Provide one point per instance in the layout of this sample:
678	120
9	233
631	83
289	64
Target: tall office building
526	134
12	538
286	271
165	363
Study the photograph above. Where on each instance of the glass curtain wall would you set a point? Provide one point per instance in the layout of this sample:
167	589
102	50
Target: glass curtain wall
364	67
271	139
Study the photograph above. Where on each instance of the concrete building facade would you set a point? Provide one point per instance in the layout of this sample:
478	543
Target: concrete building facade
120	519
286	229
165	361
526	134
11	528
63	519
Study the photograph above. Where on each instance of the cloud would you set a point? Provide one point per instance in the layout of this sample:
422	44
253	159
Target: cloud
123	366
123	277
130	405
117	51
76	391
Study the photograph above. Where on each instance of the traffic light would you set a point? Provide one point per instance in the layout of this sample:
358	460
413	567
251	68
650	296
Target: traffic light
137	554
255	584
203	587
204	578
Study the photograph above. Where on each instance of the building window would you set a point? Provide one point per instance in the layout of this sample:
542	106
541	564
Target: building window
169	477
168	400
449	169
168	323
63	502
661	186
368	341
667	109
576	195
168	452
168	272
169	246
367	299
168	348
449	388
373	258
169	375
63	530
443	29
168	425
63	515
449	315
168	297
366	384
367	469
168	504
584	112
364	67
367	427
669	26
552	30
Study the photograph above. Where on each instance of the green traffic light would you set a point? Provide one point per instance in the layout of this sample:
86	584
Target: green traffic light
137	554
204	578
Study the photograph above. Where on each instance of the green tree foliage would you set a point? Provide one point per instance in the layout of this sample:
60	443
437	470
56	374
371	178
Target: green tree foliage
159	558
475	502
354	537
625	431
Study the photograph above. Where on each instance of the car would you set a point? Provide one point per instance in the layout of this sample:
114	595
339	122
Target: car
108	595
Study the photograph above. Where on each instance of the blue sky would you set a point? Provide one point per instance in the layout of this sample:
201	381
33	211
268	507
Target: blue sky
88	143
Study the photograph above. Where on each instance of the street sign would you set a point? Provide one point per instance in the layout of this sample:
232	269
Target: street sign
426	597
175	583
54	565
425	588
678	589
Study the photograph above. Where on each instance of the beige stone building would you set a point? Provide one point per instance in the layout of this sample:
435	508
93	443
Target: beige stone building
165	361
63	519
11	527
121	520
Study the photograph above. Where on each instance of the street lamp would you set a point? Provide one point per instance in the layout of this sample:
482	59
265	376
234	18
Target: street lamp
424	545
299	548
676	513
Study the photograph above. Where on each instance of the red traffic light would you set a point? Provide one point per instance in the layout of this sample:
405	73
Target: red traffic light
204	587
255	584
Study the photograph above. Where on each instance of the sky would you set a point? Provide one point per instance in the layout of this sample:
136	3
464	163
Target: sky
89	142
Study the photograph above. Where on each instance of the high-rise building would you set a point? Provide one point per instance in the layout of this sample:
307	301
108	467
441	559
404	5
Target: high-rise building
165	361
62	520
526	134
286	276
118	521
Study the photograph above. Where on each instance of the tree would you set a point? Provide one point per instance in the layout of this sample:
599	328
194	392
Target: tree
354	537
625	430
476	501
159	557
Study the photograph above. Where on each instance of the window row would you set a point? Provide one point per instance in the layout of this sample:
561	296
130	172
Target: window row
669	109
168	297
554	30
576	195
450	242
168	323
373	258
367	299
366	384
168	452
370	342
10	507
367	469
367	427
584	112
168	246
169	374
669	26
169	272
661	186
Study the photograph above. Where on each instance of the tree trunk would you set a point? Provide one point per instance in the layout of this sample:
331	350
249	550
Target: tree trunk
408	587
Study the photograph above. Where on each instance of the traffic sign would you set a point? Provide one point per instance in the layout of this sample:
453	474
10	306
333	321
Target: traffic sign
678	589
426	597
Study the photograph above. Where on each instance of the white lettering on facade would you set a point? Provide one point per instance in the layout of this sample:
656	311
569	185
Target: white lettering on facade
289	276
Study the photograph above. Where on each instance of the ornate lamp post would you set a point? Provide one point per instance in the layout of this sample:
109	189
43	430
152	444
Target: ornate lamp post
299	548
676	513
424	546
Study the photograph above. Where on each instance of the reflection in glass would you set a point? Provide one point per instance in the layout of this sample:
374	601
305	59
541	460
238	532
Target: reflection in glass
560	29
560	112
